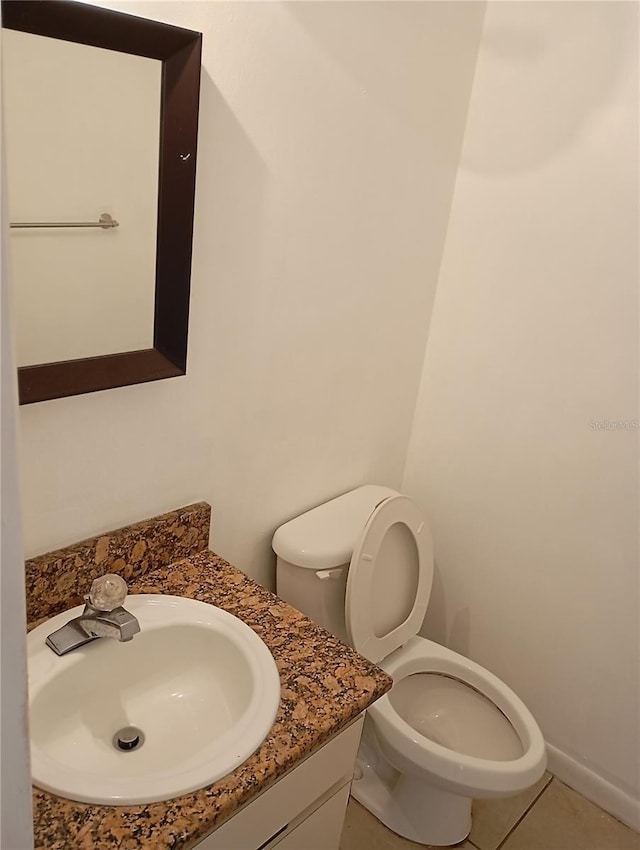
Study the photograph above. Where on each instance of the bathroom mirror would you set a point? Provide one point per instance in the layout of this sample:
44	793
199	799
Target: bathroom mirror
159	64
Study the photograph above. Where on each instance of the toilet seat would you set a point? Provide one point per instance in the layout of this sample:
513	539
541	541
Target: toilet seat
416	755
389	579
388	587
451	713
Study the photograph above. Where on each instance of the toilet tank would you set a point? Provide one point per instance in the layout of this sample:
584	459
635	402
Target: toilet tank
314	551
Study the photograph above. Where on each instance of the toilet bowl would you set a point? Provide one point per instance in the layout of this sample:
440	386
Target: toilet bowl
448	731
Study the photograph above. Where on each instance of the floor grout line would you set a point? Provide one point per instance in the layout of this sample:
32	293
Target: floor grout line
525	813
390	841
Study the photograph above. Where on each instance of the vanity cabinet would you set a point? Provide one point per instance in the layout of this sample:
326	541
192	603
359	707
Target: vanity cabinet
304	810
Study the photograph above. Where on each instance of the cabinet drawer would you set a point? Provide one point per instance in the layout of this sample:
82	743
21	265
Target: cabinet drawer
322	829
272	811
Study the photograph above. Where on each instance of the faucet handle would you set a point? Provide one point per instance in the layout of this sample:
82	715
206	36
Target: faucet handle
107	592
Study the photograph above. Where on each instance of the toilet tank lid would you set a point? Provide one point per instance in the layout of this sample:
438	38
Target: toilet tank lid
325	537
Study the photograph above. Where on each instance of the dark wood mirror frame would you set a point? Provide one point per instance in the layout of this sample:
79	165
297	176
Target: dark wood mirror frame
179	50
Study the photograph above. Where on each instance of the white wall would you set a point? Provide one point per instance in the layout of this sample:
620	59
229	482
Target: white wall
329	138
534	338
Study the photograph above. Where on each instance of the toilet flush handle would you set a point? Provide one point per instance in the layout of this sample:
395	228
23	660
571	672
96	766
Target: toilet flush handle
325	575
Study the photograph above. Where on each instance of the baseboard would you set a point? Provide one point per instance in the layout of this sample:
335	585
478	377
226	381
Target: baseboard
613	800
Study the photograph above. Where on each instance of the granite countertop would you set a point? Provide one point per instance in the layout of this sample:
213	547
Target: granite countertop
324	685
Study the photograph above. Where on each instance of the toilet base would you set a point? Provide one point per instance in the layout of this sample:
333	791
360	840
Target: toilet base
409	807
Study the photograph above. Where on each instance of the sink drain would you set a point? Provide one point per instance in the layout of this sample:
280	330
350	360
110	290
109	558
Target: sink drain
128	739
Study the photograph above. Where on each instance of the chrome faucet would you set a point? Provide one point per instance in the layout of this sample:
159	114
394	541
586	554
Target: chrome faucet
103	616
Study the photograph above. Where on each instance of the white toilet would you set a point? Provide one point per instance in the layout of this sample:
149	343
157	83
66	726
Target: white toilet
361	565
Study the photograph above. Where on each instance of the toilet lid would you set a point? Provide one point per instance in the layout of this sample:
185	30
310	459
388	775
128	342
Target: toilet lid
389	579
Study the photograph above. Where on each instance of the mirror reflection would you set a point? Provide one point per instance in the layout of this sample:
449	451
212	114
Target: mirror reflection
82	139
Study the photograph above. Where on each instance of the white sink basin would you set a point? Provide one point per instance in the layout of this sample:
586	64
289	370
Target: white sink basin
200	684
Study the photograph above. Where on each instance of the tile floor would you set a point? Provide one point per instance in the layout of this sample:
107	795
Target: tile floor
549	816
